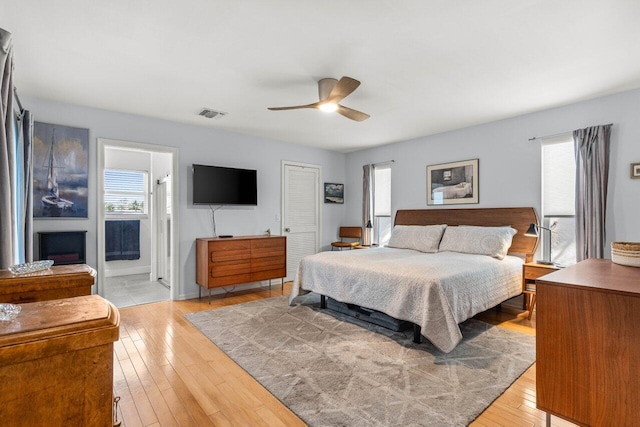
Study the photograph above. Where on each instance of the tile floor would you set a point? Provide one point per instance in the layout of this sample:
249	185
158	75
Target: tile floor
127	291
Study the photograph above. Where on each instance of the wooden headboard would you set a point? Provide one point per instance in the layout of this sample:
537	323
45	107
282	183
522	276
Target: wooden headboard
518	218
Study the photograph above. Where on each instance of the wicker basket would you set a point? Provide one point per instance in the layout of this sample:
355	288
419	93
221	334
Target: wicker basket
626	253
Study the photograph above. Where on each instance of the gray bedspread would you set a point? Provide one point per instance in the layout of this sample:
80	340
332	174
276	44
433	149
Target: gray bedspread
436	291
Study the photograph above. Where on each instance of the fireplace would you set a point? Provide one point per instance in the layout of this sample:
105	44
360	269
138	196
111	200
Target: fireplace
63	247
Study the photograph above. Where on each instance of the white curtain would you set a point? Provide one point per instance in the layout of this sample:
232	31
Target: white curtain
592	176
367	202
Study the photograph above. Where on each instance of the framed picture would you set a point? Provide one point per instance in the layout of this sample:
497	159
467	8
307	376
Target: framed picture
635	170
60	171
333	193
453	183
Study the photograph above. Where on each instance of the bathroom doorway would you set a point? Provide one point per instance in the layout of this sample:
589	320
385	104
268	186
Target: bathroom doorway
137	219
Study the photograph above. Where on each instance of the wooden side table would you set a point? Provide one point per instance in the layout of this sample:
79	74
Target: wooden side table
56	363
59	281
530	272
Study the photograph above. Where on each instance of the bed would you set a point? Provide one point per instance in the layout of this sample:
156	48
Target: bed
434	291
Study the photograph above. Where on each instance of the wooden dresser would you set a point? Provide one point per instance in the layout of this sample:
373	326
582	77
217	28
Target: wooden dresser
588	344
56	363
236	260
59	281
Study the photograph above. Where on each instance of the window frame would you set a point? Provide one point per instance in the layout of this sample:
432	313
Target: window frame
145	193
546	238
377	219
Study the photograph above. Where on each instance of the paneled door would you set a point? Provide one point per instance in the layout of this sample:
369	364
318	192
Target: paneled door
300	212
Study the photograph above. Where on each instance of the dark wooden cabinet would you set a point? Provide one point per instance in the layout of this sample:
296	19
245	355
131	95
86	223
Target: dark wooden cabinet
588	345
237	260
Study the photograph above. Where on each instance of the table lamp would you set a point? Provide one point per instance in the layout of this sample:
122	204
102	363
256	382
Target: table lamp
532	231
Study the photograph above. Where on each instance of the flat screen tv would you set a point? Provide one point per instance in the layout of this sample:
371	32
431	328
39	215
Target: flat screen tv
215	185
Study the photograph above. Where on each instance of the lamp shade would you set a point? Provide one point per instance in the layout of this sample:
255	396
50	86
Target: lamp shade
369	225
532	231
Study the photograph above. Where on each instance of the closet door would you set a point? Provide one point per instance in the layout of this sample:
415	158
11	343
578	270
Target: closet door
300	212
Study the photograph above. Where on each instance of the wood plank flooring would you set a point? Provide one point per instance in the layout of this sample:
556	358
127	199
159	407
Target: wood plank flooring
168	374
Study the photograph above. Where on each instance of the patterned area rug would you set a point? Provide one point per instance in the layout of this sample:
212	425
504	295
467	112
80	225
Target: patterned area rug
334	370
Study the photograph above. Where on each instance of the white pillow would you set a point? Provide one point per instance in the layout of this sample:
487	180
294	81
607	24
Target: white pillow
423	238
492	241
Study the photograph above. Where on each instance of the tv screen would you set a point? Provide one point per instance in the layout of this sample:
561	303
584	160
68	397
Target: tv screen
215	185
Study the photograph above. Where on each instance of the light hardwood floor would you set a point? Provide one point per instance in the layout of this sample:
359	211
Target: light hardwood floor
168	374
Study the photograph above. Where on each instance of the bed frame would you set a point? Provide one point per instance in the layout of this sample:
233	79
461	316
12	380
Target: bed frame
518	218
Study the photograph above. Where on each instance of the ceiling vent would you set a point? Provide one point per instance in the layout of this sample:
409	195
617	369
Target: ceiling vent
210	114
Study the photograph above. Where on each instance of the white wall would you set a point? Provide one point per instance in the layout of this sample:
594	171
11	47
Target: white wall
510	163
196	145
117	158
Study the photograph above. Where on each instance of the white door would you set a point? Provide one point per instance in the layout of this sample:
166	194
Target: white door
163	228
300	212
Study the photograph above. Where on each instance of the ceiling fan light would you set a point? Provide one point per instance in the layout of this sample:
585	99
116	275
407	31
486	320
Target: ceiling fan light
328	107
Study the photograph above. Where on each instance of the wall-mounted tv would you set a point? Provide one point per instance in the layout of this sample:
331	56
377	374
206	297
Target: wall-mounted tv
215	185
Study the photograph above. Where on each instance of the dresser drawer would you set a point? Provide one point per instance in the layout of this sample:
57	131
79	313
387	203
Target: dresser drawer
229	250
229	268
533	273
268	274
268	263
236	279
261	248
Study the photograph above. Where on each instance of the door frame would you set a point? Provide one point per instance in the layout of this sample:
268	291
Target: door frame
157	243
175	260
320	197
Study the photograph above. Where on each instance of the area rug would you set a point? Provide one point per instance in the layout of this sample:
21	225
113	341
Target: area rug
334	370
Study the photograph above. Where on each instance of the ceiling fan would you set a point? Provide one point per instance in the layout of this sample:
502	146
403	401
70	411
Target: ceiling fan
331	92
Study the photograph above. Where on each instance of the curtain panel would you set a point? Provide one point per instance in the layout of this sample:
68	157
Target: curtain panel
16	169
7	151
592	176
367	202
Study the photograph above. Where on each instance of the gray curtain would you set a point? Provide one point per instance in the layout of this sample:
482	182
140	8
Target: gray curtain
592	176
7	153
367	202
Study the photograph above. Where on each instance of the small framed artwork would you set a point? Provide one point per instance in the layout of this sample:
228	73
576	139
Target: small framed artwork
453	183
333	193
635	170
60	171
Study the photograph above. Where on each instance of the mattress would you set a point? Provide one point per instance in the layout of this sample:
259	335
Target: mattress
435	291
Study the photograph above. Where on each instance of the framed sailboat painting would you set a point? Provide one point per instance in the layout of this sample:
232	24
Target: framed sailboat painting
60	171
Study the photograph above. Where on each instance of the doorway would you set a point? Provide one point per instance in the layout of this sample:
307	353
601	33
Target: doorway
301	213
136	191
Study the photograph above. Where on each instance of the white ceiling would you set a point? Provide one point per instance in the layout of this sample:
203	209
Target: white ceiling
425	66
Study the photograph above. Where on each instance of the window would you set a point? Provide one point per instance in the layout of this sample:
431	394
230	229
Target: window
125	192
558	199
382	204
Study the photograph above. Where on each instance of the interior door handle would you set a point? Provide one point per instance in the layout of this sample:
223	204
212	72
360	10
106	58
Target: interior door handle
287	230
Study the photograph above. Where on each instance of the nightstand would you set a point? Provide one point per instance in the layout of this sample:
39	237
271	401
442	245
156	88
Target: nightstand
530	272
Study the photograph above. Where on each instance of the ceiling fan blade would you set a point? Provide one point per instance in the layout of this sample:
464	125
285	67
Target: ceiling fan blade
295	107
344	87
352	114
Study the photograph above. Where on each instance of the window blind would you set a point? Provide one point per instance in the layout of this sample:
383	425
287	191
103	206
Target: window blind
558	177
124	191
382	196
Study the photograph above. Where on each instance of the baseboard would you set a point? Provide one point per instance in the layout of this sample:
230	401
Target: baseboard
127	271
233	288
